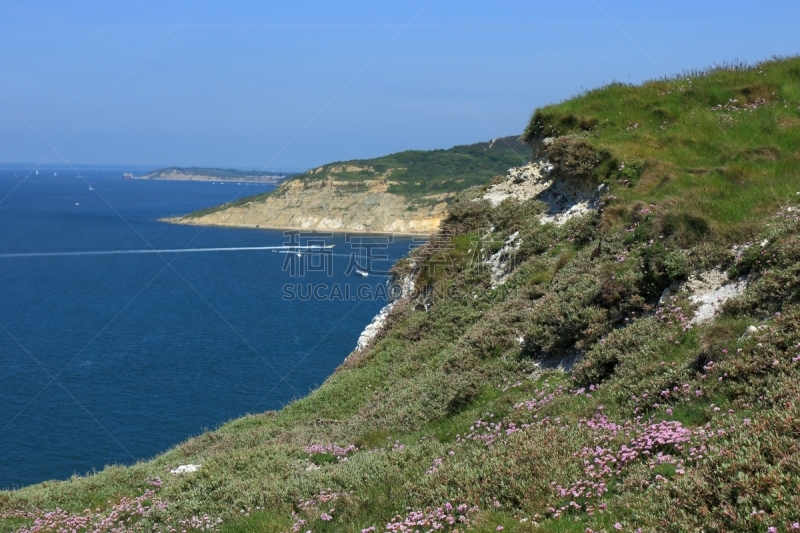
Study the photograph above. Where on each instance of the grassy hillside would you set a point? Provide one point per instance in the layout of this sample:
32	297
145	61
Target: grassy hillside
415	173
458	418
239	201
718	148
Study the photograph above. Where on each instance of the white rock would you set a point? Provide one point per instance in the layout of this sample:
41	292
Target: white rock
710	290
185	469
374	328
564	199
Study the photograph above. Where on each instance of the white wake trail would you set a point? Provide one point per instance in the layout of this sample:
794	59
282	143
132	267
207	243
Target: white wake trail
286	249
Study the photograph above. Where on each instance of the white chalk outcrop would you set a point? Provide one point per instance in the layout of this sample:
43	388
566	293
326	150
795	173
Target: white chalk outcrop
372	330
501	264
565	199
185	469
709	289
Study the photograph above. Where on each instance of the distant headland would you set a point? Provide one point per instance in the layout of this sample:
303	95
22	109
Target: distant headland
211	174
406	192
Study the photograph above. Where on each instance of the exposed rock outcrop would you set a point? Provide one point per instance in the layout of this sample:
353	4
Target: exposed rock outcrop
332	205
406	288
501	263
565	198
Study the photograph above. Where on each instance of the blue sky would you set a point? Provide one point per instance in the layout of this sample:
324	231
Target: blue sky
295	84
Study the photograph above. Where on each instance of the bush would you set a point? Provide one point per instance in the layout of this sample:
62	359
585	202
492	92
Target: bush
512	215
468	212
545	124
639	341
775	271
686	228
574	158
677	264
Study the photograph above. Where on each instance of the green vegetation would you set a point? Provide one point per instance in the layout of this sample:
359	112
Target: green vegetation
226	205
662	424
426	177
416	173
718	147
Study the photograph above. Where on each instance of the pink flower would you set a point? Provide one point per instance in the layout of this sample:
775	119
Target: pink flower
618	526
326	517
499	528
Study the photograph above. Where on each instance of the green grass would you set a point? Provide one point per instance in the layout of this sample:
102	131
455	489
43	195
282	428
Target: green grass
412	398
417	173
226	205
725	168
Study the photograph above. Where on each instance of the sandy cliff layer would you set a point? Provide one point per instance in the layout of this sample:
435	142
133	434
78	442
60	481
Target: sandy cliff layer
332	205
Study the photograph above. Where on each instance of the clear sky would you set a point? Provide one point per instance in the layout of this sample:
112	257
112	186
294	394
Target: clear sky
295	84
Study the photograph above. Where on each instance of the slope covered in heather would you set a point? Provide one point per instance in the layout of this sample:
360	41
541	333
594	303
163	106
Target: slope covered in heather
547	376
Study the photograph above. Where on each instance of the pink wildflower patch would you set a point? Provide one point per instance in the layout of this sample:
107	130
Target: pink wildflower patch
341	452
439	519
652	442
122	517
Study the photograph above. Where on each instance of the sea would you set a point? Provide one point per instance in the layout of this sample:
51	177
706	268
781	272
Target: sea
112	353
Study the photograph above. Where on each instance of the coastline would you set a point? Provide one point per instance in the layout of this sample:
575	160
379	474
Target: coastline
185	222
212	178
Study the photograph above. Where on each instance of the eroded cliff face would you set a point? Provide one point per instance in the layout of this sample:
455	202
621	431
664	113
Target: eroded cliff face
329	204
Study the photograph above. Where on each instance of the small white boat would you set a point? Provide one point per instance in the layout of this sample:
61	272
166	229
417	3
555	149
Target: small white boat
91	188
362	272
37	172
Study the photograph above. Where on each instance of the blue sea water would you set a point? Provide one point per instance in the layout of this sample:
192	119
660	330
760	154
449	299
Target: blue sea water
108	359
